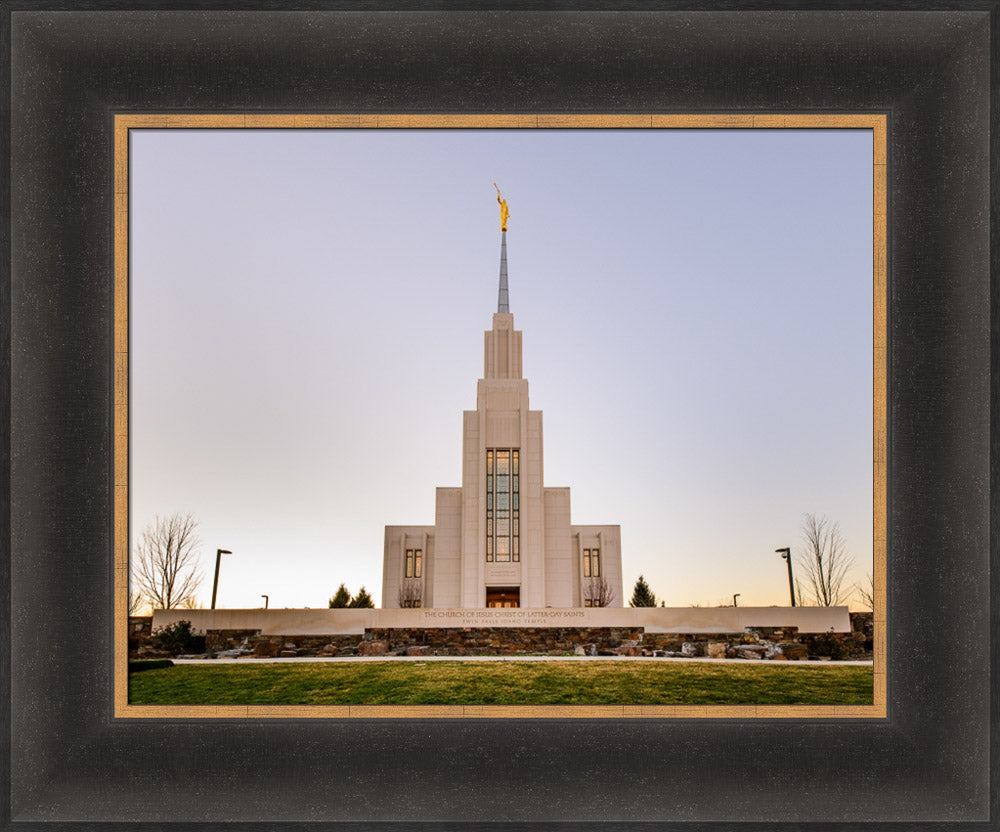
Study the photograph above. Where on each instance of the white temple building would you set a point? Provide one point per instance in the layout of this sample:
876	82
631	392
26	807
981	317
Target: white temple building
502	539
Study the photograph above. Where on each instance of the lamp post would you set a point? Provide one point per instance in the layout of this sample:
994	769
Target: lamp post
737	595
266	600
786	553
215	586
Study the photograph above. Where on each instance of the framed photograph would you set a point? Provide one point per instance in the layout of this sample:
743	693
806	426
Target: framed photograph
80	77
689	281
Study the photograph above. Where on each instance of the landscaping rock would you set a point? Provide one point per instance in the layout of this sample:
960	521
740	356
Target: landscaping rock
629	648
287	654
373	648
716	650
692	648
793	652
418	651
579	651
751	651
265	650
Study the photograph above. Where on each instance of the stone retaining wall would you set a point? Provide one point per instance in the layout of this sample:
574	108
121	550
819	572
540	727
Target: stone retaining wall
501	641
140	626
755	643
269	647
216	640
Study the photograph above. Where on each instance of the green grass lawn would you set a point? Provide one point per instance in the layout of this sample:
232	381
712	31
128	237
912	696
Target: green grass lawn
502	683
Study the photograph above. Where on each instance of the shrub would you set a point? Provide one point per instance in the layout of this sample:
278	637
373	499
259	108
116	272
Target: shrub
642	595
362	599
148	664
828	644
341	599
177	638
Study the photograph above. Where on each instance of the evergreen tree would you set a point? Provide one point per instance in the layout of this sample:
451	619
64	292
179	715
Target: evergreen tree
341	599
642	595
362	599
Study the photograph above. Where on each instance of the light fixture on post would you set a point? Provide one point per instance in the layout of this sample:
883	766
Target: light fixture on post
215	585
786	553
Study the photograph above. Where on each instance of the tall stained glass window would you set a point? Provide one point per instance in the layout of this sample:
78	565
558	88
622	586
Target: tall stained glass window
591	563
502	505
414	563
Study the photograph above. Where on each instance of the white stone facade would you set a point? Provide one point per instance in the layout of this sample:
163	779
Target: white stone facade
502	539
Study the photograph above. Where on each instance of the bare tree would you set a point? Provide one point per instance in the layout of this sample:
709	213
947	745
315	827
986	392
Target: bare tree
411	593
135	601
825	562
599	593
866	592
165	569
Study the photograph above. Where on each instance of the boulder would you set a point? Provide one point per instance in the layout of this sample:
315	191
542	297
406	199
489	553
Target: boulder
792	651
629	648
422	650
716	650
265	650
692	648
373	648
751	651
287	654
579	651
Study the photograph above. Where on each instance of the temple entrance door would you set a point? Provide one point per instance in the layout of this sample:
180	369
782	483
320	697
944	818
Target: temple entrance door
503	596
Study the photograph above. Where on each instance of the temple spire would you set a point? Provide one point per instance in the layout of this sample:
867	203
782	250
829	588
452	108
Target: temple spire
503	297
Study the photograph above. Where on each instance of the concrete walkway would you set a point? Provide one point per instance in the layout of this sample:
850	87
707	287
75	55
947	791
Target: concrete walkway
425	659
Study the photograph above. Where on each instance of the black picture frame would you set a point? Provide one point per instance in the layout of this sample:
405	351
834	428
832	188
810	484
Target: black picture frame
70	67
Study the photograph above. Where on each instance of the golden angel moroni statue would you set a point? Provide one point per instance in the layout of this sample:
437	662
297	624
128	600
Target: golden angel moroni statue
504	213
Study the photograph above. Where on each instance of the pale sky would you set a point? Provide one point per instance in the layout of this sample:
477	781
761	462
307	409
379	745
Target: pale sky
307	310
